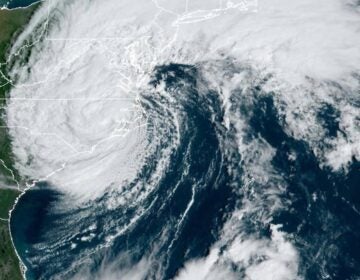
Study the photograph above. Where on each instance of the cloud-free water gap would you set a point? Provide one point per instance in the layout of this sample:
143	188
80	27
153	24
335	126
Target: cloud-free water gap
186	148
192	194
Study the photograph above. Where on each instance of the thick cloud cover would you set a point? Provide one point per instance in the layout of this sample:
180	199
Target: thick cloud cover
78	102
76	121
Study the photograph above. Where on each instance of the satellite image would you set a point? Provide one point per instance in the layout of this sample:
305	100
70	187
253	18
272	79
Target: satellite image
180	140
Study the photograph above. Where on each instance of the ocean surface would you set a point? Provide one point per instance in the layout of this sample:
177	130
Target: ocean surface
188	140
185	213
12	4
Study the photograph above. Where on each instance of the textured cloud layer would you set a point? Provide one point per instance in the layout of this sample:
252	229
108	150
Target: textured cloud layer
80	95
76	120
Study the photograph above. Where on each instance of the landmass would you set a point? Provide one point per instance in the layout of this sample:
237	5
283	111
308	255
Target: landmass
9	262
11	24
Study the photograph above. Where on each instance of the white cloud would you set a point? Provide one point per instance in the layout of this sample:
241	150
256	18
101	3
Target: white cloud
98	51
82	128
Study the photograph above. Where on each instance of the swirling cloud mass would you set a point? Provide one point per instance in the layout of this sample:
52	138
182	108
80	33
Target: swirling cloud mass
189	139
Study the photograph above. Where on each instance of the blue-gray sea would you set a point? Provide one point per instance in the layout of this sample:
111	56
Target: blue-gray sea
11	4
325	231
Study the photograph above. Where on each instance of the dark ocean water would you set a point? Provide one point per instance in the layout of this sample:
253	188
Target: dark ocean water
31	218
11	4
206	172
328	227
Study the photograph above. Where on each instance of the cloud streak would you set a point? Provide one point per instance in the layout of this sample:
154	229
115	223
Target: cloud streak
76	118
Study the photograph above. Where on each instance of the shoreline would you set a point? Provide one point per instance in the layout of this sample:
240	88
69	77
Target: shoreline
23	267
17	18
17	267
2	8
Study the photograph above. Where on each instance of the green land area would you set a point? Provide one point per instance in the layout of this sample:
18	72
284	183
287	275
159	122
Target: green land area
9	263
11	24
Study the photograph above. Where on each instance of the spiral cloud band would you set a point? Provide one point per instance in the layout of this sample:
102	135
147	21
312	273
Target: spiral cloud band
152	120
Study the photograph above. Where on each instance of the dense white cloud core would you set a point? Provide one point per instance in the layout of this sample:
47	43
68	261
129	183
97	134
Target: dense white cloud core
75	119
78	103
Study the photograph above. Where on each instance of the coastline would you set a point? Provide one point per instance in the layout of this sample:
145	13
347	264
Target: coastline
13	21
22	7
22	266
10	262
